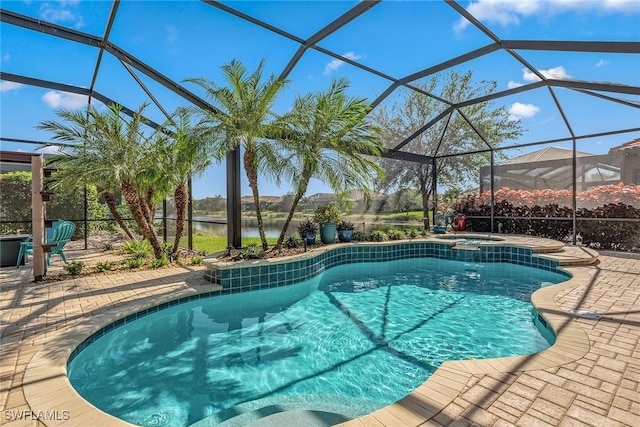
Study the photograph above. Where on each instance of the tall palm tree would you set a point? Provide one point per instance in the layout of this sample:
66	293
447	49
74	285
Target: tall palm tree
330	138
84	165
244	116
190	152
110	152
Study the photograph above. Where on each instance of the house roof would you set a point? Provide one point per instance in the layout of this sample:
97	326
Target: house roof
550	153
249	199
626	146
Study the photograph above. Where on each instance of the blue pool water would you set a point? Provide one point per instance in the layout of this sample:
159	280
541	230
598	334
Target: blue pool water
350	341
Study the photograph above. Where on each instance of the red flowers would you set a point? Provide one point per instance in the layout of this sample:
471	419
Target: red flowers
589	199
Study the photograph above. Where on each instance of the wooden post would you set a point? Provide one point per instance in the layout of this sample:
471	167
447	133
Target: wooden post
37	217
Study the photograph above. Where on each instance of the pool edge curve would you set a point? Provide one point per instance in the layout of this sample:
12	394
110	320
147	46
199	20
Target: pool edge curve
46	384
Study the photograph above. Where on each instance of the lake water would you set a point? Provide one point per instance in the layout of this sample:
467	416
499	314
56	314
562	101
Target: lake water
272	227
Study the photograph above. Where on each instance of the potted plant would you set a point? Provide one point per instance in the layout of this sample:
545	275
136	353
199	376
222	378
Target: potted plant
328	216
345	231
440	226
308	230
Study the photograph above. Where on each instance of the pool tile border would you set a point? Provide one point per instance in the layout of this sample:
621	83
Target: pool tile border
46	384
269	273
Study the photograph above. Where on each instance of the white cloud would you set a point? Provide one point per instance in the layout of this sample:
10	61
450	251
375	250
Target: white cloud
61	12
6	86
519	111
511	12
56	99
558	73
601	63
5	57
336	63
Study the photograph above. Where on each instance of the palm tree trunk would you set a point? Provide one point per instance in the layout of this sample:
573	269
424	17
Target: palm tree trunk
302	188
181	200
113	208
252	176
137	205
151	206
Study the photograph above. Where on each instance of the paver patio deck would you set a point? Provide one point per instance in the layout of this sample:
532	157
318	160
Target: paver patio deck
591	377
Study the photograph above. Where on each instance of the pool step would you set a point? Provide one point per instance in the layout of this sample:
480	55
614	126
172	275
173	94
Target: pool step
573	256
307	418
289	411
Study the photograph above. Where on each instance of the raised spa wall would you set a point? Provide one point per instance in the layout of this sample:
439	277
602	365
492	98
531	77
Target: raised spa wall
261	274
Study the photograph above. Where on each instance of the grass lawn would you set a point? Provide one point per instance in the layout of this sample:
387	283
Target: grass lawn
212	244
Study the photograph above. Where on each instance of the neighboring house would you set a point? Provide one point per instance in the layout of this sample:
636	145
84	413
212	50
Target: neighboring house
320	199
552	168
630	152
265	202
379	203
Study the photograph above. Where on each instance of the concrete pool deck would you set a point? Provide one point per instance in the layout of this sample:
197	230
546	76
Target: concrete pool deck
591	376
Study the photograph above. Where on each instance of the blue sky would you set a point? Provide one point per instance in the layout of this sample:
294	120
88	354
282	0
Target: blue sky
185	39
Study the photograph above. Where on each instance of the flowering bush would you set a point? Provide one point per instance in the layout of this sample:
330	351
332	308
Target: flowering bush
589	199
549	215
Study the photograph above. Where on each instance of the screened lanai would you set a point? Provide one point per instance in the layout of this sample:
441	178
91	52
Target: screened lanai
568	74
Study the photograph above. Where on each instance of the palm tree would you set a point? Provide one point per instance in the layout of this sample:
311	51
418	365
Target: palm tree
113	153
245	112
191	150
84	165
330	138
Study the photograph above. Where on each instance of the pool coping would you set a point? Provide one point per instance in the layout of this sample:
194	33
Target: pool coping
45	382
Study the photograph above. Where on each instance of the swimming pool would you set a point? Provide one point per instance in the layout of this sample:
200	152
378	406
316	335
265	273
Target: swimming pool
351	340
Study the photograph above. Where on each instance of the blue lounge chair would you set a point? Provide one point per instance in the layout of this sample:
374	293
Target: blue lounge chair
57	238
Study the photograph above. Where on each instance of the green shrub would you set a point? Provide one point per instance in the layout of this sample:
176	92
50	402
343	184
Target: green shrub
615	234
292	242
196	260
327	213
412	233
378	236
359	236
135	262
166	247
104	266
74	267
251	251
138	248
107	246
395	234
159	262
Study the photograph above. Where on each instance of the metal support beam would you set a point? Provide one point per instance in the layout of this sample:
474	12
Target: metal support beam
493	200
190	214
45	27
98	42
572	46
406	156
340	22
234	206
574	204
417	133
434	189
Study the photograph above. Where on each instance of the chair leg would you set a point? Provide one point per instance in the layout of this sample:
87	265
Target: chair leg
21	255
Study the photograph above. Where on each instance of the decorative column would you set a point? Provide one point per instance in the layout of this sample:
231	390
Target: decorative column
37	217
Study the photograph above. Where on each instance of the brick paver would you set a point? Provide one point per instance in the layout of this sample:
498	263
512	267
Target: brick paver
599	385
